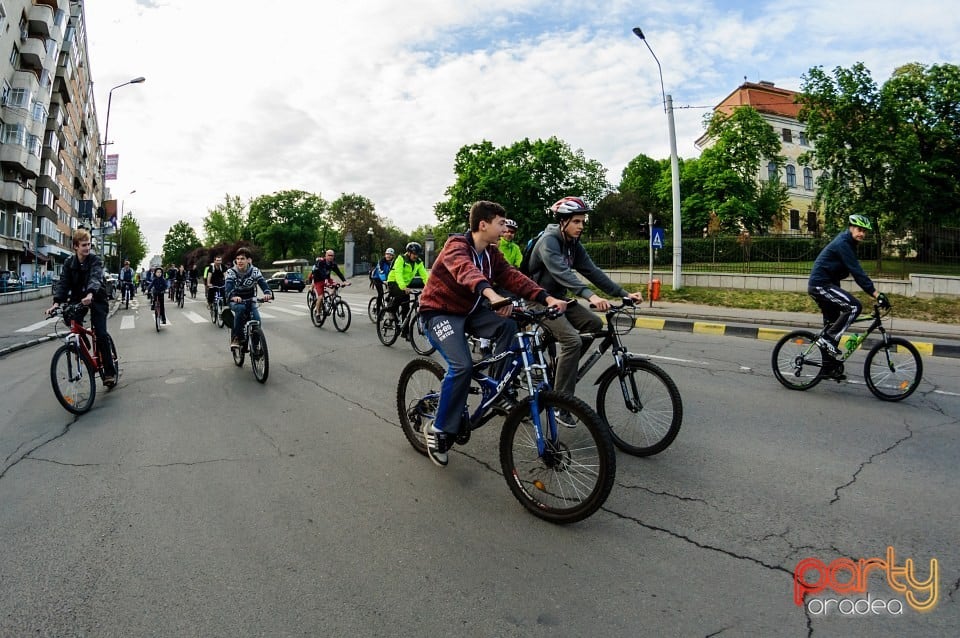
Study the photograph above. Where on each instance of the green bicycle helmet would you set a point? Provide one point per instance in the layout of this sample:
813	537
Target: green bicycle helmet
861	221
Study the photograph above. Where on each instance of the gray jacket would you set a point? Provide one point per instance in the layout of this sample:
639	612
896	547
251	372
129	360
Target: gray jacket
555	261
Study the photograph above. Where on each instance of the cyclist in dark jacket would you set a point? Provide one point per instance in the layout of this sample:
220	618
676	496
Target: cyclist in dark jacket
81	281
836	262
158	285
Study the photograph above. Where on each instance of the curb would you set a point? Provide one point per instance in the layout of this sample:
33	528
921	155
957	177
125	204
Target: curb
771	334
114	307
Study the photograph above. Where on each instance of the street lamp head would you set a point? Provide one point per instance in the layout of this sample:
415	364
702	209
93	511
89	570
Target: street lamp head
637	31
142	79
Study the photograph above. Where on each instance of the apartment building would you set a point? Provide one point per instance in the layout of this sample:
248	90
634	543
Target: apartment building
50	150
779	108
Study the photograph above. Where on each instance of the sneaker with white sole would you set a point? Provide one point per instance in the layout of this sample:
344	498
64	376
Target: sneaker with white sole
828	345
566	419
438	444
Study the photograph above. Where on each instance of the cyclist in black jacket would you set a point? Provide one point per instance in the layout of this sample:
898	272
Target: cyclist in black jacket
836	262
81	281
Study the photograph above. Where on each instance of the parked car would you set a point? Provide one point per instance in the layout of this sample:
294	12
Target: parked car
9	281
284	281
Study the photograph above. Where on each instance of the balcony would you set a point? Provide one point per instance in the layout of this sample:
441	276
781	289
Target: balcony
33	53
25	80
45	211
64	88
14	193
25	161
40	19
45	181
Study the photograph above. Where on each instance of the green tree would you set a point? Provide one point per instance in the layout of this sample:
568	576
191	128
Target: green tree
525	177
286	224
179	240
133	244
354	214
742	141
226	222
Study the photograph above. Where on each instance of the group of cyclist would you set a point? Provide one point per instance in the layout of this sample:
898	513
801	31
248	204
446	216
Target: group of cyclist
472	271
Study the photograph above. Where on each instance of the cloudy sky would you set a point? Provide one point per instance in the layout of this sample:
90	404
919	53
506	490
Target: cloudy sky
375	97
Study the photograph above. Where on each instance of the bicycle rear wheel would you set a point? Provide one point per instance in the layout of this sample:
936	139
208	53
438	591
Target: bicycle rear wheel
574	476
418	335
341	315
642	407
797	361
259	357
373	309
72	379
387	329
418	392
893	370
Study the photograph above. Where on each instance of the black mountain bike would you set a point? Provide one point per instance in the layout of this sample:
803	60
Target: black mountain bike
893	367
254	343
332	305
635	397
216	307
559	474
391	327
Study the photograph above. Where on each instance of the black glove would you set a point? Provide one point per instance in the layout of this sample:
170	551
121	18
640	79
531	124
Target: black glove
882	301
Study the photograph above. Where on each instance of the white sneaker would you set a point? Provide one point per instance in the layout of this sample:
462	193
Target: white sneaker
831	348
566	419
438	443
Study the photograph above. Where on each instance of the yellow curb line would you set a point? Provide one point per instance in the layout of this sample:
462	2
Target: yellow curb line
652	324
770	334
702	327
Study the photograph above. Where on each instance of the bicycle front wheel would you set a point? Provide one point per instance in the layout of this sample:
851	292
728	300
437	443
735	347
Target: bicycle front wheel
797	361
387	329
156	318
341	315
72	379
218	308
237	355
373	309
642	407
418	336
311	298
418	393
259	357
573	477
893	370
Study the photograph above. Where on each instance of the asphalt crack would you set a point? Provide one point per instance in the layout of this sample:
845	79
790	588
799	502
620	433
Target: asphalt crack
27	454
342	397
853	479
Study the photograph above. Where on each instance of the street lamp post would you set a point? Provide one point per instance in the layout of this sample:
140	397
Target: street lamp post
674	167
36	256
103	171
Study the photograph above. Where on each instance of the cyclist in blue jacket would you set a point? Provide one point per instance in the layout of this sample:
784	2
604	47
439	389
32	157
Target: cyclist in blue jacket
837	261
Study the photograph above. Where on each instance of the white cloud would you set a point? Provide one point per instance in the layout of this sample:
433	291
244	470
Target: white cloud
376	97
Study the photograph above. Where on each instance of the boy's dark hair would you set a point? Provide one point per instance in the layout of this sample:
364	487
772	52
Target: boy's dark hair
484	211
243	251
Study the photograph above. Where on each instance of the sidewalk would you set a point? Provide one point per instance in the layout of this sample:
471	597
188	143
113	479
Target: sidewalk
936	339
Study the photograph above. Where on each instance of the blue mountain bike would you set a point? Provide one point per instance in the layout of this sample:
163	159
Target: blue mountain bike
559	474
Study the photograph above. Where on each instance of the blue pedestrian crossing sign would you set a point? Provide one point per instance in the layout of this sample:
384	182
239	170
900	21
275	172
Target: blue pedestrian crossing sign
656	237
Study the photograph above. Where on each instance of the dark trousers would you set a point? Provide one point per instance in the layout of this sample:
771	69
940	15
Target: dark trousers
448	333
98	320
838	306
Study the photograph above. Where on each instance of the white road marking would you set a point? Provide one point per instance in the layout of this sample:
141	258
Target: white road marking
127	322
298	313
194	317
38	325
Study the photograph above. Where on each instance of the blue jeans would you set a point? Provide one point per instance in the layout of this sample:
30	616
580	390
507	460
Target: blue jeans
240	318
448	334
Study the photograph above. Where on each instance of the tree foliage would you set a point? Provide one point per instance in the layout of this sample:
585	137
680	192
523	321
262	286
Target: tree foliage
226	222
891	152
525	177
286	224
179	240
133	244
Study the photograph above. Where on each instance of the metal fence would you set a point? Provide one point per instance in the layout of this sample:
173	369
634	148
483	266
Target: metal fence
932	249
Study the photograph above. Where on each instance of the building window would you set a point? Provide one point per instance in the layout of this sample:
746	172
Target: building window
14	134
803	138
808	178
33	144
773	174
787	135
15	57
812	224
19	98
794	219
791	176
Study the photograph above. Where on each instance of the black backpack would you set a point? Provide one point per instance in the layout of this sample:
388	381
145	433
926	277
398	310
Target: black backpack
524	266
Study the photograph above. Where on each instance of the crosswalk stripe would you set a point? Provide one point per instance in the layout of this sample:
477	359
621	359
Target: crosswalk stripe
194	317
38	325
127	322
267	315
